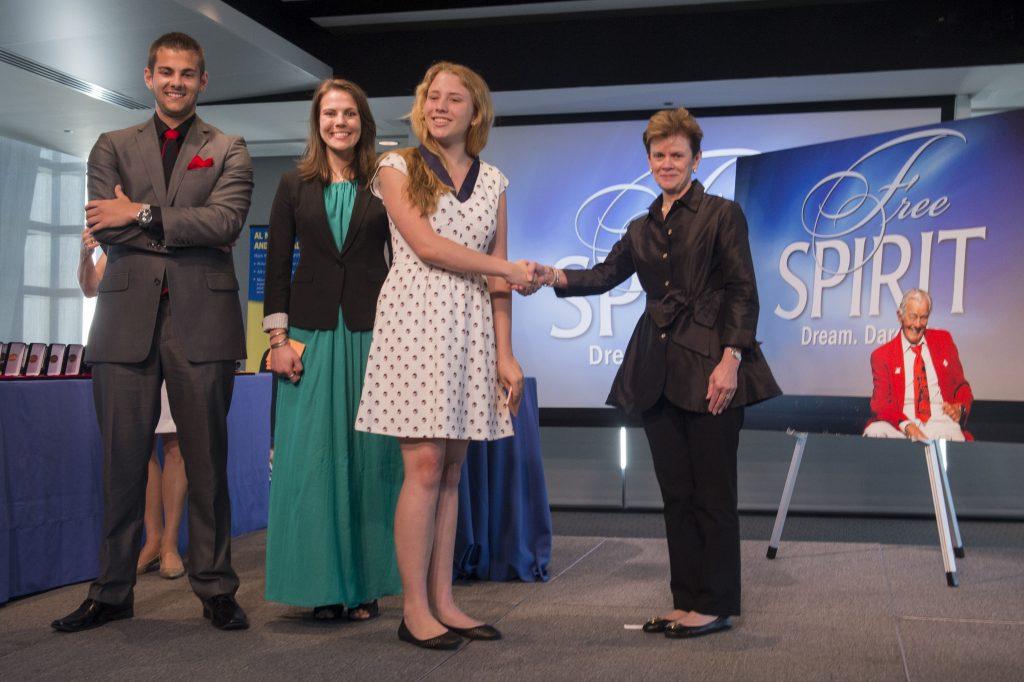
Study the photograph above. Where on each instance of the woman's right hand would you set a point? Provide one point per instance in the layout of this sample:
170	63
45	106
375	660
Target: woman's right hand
284	361
89	243
520	274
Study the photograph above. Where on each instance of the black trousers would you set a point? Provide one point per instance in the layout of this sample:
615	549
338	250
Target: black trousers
695	461
127	400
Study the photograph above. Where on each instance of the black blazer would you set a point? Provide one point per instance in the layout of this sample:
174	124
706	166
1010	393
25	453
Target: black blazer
325	277
696	270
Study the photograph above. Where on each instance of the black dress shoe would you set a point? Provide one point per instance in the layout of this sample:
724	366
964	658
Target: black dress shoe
225	613
485	633
657	625
446	640
92	614
677	631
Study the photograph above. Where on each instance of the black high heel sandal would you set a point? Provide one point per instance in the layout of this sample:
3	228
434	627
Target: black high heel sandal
372	608
329	612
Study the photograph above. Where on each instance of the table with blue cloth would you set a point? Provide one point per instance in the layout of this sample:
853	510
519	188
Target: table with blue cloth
504	528
51	478
51	486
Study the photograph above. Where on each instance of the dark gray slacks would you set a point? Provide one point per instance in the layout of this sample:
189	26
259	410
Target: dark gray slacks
695	461
127	400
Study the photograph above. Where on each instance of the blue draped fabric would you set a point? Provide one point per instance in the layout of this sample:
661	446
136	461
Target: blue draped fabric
51	487
504	530
51	478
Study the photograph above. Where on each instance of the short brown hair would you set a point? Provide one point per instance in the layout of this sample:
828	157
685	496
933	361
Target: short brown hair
671	122
313	163
177	41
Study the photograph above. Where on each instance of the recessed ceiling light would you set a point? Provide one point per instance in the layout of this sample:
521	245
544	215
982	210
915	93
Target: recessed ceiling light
388	143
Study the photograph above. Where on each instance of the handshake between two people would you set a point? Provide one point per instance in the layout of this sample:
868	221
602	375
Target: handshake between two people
527	277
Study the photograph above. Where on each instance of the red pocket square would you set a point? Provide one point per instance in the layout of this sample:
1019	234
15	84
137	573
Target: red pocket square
198	162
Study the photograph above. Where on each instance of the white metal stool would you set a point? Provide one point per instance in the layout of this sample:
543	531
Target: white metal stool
950	541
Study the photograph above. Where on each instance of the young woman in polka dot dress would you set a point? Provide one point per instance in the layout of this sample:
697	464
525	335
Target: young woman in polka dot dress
441	371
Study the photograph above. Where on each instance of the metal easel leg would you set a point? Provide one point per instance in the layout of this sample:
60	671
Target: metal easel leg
931	455
958	541
787	493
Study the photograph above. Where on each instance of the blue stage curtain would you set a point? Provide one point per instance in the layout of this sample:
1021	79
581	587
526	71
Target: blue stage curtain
504	530
51	478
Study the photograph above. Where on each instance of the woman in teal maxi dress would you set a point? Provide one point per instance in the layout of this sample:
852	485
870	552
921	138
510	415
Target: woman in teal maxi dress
330	535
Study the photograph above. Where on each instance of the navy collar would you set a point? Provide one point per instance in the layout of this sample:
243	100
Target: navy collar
435	164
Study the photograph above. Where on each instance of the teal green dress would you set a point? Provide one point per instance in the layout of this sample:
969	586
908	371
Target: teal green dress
330	534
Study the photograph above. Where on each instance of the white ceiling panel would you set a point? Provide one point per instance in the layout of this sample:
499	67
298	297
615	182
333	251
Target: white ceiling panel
106	42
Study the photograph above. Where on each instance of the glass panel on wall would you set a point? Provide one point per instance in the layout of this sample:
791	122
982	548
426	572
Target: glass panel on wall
37	259
67	275
42	197
69	320
36	317
72	198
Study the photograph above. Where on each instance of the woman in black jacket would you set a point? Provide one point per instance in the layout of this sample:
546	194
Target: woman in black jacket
691	366
330	532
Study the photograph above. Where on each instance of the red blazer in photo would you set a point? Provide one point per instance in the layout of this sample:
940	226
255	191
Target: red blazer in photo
887	373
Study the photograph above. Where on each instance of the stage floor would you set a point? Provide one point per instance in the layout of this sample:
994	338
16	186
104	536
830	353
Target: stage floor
822	610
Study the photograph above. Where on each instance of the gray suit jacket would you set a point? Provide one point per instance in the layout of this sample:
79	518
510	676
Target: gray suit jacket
202	208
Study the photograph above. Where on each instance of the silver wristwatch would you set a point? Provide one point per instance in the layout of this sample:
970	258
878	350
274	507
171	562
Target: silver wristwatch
735	353
145	216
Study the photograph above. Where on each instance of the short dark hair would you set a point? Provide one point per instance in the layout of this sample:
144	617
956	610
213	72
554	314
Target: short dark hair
177	41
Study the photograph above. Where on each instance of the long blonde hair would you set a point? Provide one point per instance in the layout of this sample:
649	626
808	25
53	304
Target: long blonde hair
424	188
313	163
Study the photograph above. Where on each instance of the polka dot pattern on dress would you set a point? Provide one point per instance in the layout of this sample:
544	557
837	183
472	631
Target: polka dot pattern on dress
432	368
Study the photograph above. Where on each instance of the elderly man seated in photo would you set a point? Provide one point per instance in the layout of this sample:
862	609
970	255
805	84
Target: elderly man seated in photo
919	387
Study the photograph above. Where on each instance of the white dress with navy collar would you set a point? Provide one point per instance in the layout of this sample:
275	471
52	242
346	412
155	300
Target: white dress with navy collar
432	368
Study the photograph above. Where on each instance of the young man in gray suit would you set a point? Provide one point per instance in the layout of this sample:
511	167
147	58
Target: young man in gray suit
167	199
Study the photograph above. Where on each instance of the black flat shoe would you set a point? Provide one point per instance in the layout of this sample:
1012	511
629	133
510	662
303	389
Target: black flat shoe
372	608
92	614
446	640
484	633
677	631
657	625
225	613
329	612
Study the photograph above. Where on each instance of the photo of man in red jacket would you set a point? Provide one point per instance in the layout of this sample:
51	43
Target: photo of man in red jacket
919	387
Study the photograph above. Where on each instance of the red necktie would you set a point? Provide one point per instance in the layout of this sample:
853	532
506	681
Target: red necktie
169	135
922	400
